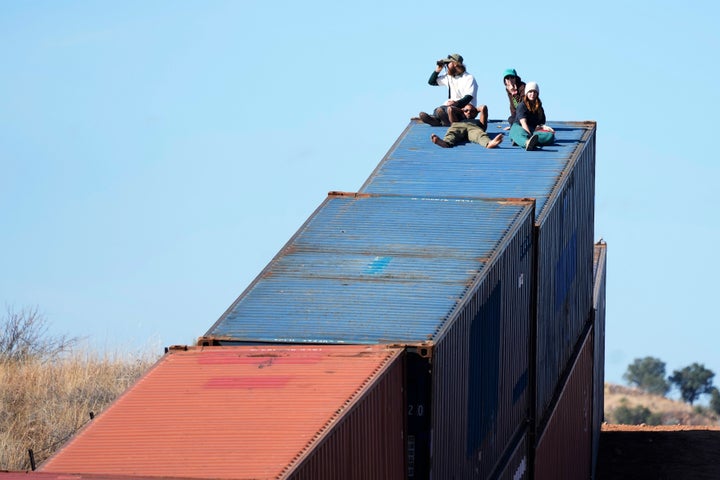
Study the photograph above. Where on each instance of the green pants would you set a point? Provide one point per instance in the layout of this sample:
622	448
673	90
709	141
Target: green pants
461	132
520	136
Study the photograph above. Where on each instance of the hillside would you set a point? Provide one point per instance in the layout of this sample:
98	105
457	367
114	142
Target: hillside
671	412
684	446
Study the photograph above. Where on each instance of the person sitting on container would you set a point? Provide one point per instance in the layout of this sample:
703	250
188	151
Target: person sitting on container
529	130
465	129
462	90
515	89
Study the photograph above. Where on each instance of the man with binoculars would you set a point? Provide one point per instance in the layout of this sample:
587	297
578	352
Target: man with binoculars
462	90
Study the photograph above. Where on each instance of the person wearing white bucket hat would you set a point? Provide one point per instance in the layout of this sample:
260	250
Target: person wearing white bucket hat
530	115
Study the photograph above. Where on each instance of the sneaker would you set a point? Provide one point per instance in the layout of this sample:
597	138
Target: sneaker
429	119
531	143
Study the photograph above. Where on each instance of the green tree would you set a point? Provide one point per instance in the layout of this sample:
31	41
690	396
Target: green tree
636	415
693	381
649	374
715	400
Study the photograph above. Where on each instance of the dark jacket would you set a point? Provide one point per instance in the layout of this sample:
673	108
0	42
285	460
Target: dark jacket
533	119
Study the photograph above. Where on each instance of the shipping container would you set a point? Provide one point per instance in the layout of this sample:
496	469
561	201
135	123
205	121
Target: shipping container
447	278
561	178
563	450
599	281
252	412
517	466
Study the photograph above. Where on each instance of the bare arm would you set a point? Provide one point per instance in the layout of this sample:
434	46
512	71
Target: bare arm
524	125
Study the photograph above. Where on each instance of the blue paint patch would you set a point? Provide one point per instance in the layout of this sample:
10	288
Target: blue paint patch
378	265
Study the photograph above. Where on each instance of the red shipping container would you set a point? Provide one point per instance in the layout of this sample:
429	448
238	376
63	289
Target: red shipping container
321	412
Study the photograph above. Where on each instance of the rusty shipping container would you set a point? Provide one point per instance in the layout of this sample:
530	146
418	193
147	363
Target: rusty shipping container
252	412
561	178
563	450
599	281
447	278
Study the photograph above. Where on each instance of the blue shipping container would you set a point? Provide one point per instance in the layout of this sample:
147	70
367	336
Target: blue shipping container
561	178
448	278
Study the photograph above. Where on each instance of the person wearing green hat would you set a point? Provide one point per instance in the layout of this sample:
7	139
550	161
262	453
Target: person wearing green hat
515	89
462	90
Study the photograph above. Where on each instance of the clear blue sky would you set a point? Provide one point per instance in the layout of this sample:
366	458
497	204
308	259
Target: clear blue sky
156	155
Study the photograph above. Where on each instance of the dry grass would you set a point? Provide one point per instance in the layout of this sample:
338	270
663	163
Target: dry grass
671	412
42	404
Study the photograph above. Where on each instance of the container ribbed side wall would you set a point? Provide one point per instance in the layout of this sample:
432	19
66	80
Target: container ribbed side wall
565	266
480	369
563	451
368	442
600	269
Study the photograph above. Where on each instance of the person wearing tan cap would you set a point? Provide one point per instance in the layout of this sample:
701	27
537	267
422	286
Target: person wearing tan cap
462	90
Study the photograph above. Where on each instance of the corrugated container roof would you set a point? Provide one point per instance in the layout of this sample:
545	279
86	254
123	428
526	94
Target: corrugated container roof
372	269
225	412
471	170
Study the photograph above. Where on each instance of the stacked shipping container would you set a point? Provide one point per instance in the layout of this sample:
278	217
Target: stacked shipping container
561	179
568	446
466	274
447	278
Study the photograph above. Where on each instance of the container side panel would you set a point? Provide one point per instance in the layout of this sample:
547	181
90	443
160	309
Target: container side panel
565	266
368	442
480	369
563	451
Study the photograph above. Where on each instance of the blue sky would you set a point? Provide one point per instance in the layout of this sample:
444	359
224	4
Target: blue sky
156	155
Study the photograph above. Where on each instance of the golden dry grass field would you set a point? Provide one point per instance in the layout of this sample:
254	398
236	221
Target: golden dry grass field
43	403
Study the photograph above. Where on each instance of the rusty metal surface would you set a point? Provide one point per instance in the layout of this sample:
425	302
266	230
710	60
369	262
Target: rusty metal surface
252	412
